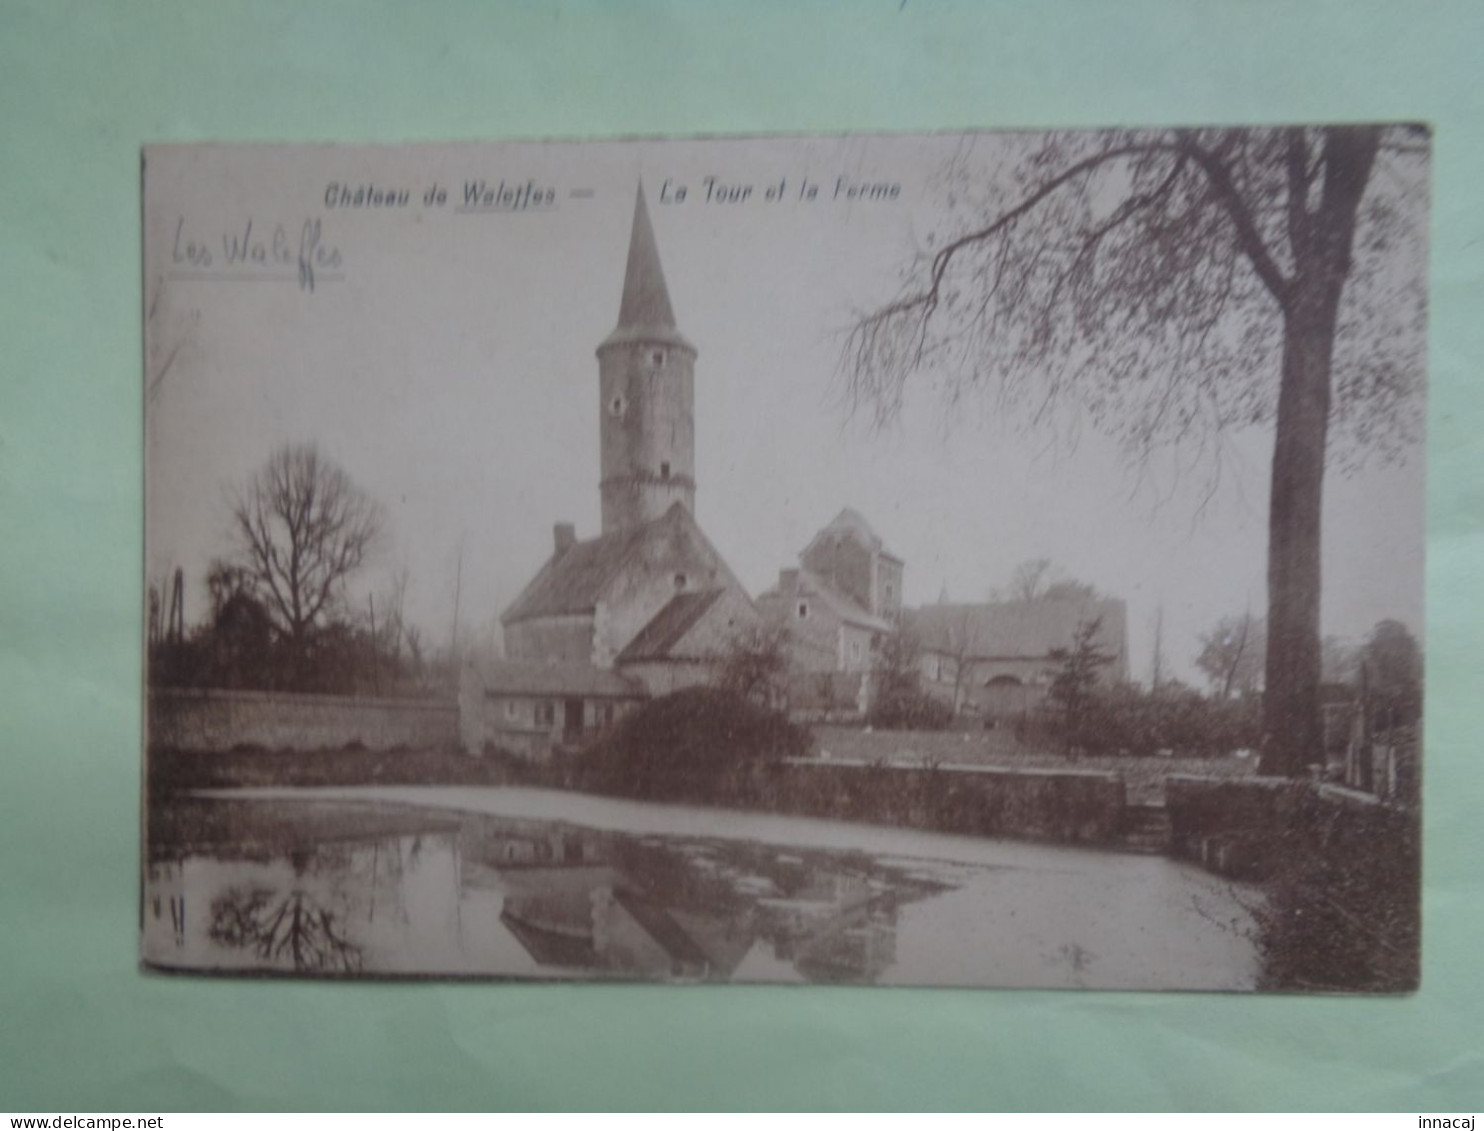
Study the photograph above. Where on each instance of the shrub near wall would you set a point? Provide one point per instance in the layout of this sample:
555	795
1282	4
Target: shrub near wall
708	747
1341	871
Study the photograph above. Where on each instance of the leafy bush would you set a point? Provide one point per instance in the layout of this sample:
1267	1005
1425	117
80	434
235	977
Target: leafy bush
689	741
1127	720
909	709
1342	907
1340	876
899	702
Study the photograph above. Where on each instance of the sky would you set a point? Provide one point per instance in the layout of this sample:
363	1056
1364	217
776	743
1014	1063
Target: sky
445	359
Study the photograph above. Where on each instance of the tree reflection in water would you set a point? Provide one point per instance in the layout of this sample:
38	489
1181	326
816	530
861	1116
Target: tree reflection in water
295	926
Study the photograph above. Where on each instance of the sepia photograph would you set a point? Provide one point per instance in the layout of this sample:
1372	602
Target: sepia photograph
958	559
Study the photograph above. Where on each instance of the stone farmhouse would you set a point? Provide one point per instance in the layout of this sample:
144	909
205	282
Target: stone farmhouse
994	659
838	604
841	600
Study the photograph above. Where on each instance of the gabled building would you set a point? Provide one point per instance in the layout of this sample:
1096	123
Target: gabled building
850	556
680	646
841	601
827	630
592	598
529	710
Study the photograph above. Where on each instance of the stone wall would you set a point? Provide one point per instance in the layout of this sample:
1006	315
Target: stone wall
1065	806
967	743
1254	828
211	721
1061	806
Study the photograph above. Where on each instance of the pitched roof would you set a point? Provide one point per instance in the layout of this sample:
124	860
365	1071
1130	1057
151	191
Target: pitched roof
658	924
516	677
1017	629
811	585
656	639
573	580
850	519
551	948
851	522
644	312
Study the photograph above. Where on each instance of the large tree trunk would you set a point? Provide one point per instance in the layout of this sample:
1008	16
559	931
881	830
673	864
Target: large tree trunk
1291	715
1292	725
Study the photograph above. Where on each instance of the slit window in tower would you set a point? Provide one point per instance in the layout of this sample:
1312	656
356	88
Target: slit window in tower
664	471
616	406
681	580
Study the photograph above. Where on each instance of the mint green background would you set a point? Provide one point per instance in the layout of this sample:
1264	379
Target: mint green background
83	85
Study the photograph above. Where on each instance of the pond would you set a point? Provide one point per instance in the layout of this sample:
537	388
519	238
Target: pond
529	883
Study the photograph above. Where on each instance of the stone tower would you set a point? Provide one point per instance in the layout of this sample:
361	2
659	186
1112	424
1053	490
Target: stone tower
646	381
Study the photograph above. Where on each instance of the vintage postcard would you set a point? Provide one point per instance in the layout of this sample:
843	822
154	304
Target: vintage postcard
983	559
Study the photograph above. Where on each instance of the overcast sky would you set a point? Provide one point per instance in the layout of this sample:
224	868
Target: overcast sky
447	364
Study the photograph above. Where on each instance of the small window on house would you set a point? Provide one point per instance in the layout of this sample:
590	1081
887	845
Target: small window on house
803	609
855	649
890	591
545	713
510	710
681	581
657	358
664	471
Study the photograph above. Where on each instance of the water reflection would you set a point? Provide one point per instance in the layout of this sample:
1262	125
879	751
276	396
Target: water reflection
347	887
287	902
491	895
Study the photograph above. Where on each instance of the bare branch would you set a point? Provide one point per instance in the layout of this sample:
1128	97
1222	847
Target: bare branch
1248	237
303	527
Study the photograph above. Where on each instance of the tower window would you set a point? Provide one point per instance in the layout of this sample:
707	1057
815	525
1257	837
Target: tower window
657	358
616	405
664	470
681	581
803	609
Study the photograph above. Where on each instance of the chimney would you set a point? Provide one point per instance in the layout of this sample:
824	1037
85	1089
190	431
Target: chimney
563	534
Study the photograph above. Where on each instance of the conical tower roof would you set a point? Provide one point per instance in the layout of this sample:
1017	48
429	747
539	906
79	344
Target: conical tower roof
644	312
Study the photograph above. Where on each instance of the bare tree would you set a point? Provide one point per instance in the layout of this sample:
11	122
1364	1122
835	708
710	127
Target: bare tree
963	642
226	581
1340	659
1070	589
1029	580
1172	285
302	527
1231	655
393	617
753	663
1157	663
